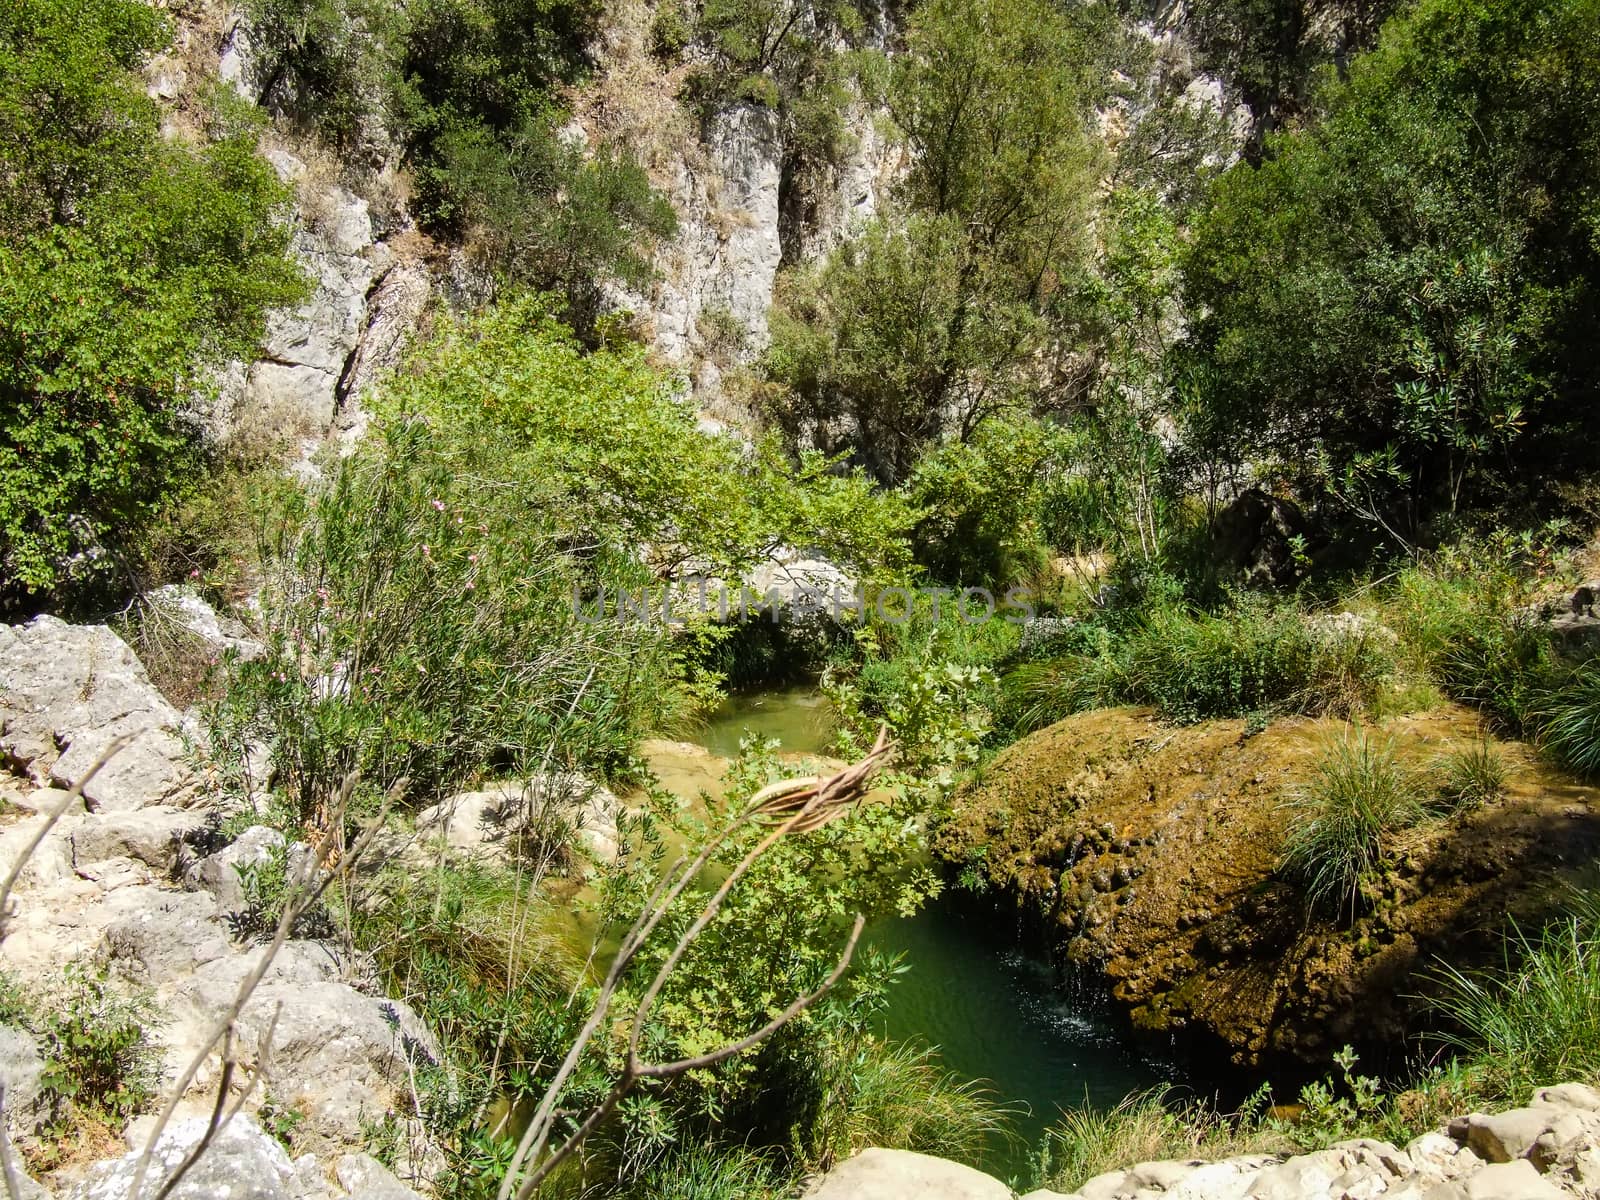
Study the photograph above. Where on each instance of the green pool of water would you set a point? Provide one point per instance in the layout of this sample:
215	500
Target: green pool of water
994	1013
798	717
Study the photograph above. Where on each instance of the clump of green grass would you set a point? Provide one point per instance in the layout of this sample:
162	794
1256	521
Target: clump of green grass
1473	776
1459	615
1147	1127
1539	1021
1255	657
1570	715
897	1095
710	1172
1358	797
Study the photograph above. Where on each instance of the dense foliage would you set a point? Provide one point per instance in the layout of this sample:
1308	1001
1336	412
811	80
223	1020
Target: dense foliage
129	264
1396	305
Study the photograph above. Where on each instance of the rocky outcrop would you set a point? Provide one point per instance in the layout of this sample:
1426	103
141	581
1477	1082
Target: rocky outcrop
724	260
242	1163
220	635
66	693
520	816
369	296
1147	858
100	889
1260	538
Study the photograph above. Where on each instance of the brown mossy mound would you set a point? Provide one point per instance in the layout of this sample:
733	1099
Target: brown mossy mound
1150	854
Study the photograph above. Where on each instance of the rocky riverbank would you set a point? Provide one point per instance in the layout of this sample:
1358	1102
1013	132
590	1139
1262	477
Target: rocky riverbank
1546	1150
136	880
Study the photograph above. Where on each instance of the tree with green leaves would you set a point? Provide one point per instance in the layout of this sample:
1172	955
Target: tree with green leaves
943	313
130	263
1397	306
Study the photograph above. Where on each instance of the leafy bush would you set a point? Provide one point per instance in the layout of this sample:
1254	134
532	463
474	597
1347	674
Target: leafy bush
931	679
132	264
1570	720
100	1062
422	626
1540	1019
323	62
1343	819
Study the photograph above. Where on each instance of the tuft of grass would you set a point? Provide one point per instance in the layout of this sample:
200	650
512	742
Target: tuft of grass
1570	715
1146	1127
1473	776
897	1095
1460	616
1358	796
1256	657
710	1173
1539	1021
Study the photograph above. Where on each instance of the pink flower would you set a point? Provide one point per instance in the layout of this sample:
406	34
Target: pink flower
425	550
438	505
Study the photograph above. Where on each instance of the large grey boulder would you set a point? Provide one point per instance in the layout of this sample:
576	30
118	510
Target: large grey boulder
153	836
1257	536
66	692
338	1055
900	1174
162	936
241	1163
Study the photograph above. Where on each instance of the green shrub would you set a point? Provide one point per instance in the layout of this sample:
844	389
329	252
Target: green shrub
132	264
671	30
100	1061
1570	720
1460	614
1473	776
1343	819
324	62
1539	1020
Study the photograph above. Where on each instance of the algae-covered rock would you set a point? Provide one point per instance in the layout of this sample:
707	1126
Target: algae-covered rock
1149	856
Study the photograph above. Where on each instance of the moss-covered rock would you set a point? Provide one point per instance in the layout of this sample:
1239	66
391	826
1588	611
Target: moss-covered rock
1149	856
